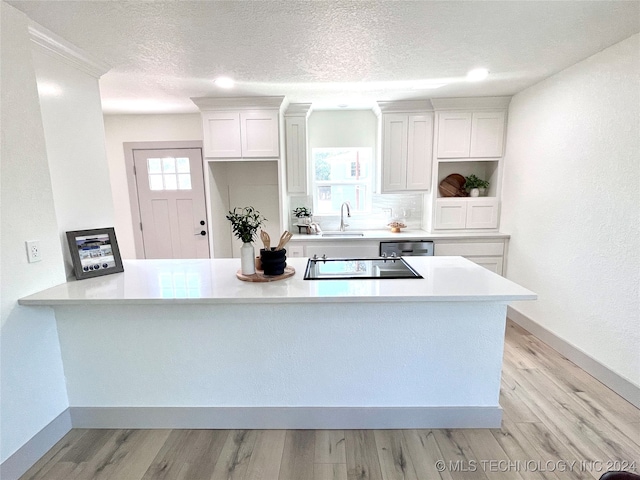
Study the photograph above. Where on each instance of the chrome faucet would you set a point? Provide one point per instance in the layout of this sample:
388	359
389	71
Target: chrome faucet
342	224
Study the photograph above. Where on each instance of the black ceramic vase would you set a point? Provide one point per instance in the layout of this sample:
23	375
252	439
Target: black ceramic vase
273	261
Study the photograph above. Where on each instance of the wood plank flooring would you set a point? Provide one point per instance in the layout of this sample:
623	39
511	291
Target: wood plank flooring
559	424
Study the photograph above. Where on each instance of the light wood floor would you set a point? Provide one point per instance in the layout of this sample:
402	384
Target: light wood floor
554	414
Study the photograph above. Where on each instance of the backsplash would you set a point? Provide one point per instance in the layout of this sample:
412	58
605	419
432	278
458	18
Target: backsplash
385	208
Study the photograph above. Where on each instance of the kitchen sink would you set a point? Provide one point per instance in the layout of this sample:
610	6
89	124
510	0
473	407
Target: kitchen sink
352	233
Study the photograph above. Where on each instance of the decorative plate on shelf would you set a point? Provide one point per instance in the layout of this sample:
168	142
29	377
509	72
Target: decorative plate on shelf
453	186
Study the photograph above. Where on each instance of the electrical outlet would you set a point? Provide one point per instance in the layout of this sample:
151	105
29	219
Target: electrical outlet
34	254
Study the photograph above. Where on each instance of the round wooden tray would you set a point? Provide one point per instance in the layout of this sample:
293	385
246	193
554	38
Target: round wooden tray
259	276
452	186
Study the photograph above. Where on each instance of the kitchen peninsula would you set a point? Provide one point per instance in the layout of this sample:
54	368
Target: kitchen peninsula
184	344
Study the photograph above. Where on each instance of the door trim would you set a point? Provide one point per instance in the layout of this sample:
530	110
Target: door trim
129	147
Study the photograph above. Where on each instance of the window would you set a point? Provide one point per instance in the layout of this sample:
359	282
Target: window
169	173
342	175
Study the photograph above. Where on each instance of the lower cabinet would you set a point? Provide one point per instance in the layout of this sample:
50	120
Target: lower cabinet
486	253
463	213
334	249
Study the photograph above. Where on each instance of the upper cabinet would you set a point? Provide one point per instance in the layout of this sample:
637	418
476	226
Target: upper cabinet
240	128
407	145
470	134
296	153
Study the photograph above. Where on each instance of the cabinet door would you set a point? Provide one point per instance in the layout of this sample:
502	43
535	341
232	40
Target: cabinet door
296	151
419	152
259	130
454	135
343	249
221	132
394	152
450	214
491	263
482	213
487	134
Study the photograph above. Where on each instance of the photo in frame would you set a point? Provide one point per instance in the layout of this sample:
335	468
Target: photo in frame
94	252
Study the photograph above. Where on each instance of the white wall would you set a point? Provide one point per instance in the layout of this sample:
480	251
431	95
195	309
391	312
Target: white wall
74	135
571	201
32	379
139	128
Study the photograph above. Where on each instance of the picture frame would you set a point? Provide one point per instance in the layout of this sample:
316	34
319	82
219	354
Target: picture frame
94	252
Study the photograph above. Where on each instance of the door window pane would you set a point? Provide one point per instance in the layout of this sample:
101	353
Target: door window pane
170	182
163	176
182	165
155	182
169	165
154	165
184	181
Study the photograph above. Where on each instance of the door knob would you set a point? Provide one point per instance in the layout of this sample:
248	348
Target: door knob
202	232
201	222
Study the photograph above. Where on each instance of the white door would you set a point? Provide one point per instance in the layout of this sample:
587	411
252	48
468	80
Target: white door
171	199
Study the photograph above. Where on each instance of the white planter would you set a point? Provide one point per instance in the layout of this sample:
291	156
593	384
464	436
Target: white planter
247	259
474	192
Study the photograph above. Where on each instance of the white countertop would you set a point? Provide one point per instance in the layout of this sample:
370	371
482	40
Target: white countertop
146	282
403	235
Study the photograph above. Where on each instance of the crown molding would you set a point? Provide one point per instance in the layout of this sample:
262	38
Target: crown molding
298	110
421	105
71	54
470	103
237	103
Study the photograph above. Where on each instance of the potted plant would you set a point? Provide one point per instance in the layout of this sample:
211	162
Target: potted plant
473	185
245	223
303	214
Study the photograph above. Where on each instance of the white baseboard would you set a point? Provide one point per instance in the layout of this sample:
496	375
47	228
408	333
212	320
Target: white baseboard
619	384
26	456
286	417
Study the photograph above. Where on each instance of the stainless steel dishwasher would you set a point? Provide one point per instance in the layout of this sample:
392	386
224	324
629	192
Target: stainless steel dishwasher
413	248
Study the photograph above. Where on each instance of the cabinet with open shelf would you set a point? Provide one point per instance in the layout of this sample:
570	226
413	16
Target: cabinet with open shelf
469	140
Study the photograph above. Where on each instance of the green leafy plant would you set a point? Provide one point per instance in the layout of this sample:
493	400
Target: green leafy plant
245	223
474	182
302	212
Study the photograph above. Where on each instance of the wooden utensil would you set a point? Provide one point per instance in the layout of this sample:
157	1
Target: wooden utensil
266	240
284	238
453	186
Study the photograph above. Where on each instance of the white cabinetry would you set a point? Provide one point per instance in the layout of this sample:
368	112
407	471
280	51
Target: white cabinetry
407	146
335	248
462	213
487	134
469	139
295	119
240	128
470	134
454	135
486	253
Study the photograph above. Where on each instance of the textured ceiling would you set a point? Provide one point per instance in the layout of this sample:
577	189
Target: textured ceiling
327	52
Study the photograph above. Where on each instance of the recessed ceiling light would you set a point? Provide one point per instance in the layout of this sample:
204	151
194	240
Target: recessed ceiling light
477	74
224	82
342	105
